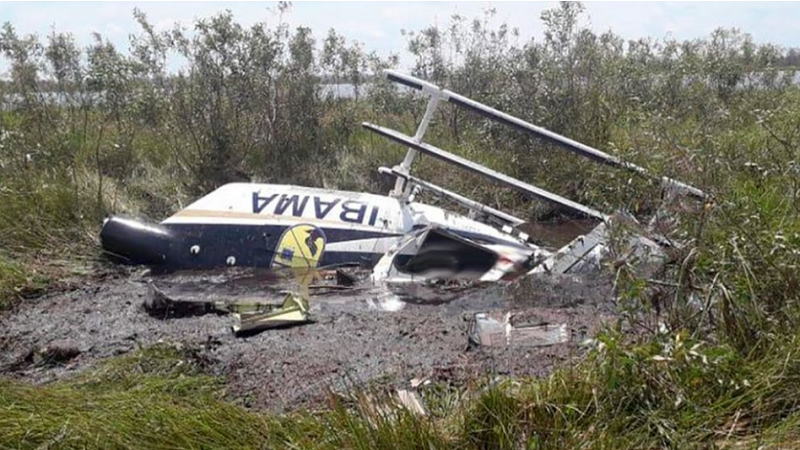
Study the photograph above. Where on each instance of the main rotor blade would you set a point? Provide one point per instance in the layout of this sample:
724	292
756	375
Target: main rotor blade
555	138
497	177
460	199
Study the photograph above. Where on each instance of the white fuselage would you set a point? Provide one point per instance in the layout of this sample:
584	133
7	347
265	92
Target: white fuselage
370	223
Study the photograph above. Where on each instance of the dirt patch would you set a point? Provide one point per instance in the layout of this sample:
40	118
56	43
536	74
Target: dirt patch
361	337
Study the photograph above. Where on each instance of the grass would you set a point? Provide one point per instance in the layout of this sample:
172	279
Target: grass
159	398
153	399
12	277
18	281
673	393
52	212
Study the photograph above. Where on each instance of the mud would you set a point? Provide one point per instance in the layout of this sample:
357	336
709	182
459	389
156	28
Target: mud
360	336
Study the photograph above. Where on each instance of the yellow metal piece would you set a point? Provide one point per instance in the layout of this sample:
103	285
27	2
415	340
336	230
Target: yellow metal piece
294	310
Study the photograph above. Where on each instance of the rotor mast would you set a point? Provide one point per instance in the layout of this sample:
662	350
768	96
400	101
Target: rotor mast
402	188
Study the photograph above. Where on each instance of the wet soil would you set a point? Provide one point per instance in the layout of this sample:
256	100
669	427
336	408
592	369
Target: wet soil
360	336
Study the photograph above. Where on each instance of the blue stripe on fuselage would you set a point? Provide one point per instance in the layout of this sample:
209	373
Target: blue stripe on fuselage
253	245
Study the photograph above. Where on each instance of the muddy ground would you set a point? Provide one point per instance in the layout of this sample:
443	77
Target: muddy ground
361	336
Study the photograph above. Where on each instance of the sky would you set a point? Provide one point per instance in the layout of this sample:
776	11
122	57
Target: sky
378	25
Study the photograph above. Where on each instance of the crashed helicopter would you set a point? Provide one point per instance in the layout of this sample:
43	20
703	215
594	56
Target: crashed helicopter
282	226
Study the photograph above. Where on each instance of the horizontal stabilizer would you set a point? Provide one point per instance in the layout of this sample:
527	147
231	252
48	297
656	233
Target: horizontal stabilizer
495	176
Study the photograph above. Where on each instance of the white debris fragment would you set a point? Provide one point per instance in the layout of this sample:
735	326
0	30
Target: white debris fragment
417	382
488	331
410	400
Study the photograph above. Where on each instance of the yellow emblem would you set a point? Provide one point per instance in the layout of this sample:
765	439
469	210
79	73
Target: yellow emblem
301	246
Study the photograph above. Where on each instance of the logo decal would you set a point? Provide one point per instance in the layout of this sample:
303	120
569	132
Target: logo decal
301	246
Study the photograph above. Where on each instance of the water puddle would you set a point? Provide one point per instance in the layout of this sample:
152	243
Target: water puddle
327	290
